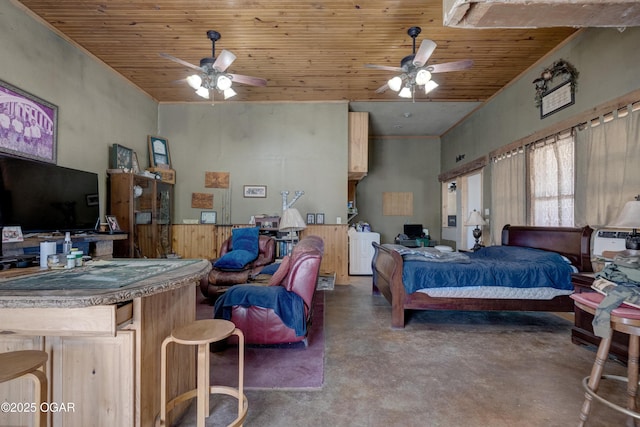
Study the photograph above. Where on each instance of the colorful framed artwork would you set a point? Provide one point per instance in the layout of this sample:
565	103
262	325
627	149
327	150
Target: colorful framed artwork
208	217
28	125
258	191
159	152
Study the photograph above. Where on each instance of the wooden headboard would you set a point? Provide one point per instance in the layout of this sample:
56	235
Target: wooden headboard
574	243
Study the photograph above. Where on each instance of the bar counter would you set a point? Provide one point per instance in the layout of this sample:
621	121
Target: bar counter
102	325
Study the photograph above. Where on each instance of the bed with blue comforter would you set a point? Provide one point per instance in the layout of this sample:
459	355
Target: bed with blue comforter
530	271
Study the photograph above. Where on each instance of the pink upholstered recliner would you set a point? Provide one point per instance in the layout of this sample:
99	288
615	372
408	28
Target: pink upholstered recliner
219	280
261	324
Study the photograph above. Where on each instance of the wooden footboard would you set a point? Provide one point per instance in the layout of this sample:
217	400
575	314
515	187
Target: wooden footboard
574	243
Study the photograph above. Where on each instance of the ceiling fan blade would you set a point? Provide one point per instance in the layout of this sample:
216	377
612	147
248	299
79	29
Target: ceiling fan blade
385	68
382	88
180	61
426	49
224	60
450	66
248	80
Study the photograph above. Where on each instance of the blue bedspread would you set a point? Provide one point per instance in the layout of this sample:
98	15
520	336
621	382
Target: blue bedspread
511	266
289	306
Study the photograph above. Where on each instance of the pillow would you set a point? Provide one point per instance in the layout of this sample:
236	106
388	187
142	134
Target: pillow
270	269
245	239
234	260
281	272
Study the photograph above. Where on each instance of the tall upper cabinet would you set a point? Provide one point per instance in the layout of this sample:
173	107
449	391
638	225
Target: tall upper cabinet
358	156
358	145
144	208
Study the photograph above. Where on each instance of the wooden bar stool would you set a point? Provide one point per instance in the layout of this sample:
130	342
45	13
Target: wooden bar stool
624	319
202	333
16	364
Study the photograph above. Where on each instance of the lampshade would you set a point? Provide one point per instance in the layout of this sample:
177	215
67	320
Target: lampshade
475	219
395	83
292	220
203	92
195	81
405	92
422	77
629	217
429	86
223	82
229	93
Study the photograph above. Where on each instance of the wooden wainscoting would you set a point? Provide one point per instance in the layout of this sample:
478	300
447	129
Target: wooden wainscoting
335	259
203	241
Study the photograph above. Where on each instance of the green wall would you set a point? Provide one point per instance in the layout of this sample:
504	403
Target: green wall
96	107
285	146
608	63
401	165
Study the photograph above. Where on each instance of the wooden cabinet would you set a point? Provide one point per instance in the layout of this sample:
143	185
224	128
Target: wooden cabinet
358	145
144	208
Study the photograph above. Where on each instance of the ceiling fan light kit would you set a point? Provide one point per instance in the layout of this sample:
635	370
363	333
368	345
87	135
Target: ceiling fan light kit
414	69
212	75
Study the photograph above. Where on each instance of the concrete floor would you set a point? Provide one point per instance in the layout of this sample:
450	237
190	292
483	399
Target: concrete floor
444	369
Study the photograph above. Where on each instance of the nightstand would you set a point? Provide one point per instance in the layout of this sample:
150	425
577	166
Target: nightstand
582	331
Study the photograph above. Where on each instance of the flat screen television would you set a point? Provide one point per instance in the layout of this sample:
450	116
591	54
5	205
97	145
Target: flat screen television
42	197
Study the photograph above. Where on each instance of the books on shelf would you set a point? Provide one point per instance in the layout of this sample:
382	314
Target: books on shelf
283	247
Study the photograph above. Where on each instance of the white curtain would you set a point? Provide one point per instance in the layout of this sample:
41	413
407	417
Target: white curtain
551	179
508	193
607	168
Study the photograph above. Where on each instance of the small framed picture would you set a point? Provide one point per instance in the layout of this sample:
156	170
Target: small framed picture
113	223
319	218
208	217
12	234
159	152
311	218
92	199
451	221
121	157
259	191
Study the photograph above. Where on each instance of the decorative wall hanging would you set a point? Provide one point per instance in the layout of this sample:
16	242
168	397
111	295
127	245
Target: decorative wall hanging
554	96
202	201
216	179
28	125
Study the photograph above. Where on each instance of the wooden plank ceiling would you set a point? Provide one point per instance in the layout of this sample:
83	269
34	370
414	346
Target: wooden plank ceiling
307	51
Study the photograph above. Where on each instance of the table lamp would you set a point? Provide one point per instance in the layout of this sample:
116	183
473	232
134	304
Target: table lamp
476	219
291	222
630	218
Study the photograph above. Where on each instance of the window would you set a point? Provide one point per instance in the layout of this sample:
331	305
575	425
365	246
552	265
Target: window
551	179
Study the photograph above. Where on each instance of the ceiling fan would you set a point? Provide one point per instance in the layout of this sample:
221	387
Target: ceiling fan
212	73
414	70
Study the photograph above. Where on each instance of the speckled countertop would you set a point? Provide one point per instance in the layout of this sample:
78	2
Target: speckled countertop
100	283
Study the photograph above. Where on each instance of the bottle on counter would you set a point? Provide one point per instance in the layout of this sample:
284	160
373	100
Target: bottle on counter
66	246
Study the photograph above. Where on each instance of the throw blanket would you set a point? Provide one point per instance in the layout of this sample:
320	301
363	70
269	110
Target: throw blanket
429	254
289	306
626	288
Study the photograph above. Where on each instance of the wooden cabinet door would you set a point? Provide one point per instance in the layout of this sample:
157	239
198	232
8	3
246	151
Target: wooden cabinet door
358	145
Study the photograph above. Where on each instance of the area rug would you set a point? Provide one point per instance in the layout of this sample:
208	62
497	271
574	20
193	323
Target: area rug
283	367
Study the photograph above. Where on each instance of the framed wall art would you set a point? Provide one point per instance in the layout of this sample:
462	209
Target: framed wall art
311	218
208	217
259	191
319	218
159	152
28	125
